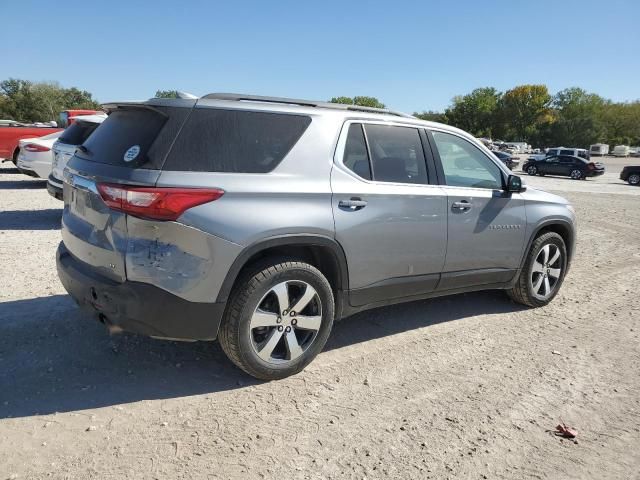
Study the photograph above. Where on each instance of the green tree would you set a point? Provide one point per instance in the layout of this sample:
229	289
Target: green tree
23	100
622	123
523	110
579	118
360	101
475	112
166	94
432	116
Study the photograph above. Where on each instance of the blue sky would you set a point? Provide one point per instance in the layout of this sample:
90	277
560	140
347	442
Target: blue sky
414	56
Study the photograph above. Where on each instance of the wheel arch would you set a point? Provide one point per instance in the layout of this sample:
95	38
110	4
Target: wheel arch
322	252
562	227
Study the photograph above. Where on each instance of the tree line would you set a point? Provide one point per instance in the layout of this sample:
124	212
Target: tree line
572	117
26	101
529	113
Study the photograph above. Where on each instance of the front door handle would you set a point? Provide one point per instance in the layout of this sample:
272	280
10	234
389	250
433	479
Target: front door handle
463	205
352	204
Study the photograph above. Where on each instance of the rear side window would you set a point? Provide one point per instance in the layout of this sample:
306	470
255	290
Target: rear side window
130	137
77	133
356	157
396	154
565	152
215	140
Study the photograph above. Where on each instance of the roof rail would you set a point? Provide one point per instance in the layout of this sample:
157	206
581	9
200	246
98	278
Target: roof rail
305	103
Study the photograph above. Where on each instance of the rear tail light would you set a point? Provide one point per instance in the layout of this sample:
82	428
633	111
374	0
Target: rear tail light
591	166
32	147
157	203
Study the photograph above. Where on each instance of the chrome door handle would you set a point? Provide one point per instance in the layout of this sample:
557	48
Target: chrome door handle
352	204
463	205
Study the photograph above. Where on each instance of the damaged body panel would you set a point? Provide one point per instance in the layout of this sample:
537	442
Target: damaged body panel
177	258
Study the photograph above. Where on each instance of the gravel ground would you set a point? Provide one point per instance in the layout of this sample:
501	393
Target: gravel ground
461	387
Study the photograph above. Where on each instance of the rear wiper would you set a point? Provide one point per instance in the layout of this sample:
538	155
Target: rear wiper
84	149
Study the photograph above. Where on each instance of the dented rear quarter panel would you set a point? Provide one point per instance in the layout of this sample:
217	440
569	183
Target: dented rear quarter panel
178	258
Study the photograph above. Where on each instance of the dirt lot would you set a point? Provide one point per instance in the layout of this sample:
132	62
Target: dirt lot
460	387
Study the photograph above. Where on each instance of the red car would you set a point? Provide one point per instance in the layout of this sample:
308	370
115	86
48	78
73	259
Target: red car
11	134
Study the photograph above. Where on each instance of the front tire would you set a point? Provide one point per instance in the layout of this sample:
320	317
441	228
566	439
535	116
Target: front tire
543	272
576	174
278	319
532	170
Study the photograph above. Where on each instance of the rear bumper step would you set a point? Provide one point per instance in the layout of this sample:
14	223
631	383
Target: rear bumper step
137	307
54	187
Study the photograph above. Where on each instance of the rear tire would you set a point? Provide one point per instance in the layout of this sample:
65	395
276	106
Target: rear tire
634	179
542	274
270	341
532	170
14	158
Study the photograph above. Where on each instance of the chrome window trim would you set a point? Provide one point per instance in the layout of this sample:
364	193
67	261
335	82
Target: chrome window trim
338	156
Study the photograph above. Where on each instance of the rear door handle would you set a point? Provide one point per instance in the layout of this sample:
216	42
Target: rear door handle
352	204
461	205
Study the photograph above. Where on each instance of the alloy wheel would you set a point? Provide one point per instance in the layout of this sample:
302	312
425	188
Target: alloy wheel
286	322
546	271
532	170
576	174
634	179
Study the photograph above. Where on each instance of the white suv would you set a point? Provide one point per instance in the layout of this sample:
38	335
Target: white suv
64	148
552	152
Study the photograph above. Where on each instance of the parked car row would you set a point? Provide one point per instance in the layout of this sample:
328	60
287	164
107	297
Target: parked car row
12	132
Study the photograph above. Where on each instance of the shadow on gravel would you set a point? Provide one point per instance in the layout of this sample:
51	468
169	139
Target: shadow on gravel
22	184
56	358
386	321
48	219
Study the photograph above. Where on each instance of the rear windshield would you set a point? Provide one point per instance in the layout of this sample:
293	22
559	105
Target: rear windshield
77	133
240	141
128	137
208	140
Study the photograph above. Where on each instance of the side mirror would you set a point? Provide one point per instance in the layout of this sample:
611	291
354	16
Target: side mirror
514	184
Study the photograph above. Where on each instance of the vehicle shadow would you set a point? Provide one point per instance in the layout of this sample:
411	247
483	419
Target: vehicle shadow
22	184
48	219
56	358
11	170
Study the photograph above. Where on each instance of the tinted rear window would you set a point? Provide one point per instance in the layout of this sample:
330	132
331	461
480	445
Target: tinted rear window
135	137
215	140
77	133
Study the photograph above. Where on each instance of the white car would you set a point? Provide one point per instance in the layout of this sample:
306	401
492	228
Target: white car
64	148
35	155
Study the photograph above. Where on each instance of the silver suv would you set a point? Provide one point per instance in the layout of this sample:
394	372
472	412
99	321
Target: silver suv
260	221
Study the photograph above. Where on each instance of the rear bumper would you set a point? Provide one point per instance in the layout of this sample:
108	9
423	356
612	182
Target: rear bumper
137	307
54	187
595	173
26	171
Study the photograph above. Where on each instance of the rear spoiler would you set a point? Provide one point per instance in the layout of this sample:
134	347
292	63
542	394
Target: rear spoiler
150	104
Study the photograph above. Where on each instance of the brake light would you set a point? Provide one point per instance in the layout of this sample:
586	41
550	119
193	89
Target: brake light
32	147
157	203
591	166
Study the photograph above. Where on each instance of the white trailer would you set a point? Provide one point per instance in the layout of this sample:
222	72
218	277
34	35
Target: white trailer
621	151
599	149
